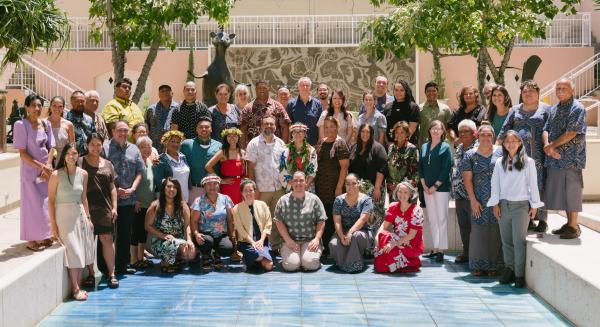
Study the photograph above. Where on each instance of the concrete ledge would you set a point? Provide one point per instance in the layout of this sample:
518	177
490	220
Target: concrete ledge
565	273
454	241
33	289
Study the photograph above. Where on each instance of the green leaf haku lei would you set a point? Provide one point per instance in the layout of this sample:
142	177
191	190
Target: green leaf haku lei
294	155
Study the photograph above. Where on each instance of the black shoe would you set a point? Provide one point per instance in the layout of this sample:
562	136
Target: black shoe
560	230
127	271
519	282
507	277
439	257
531	225
542	227
461	259
430	255
570	233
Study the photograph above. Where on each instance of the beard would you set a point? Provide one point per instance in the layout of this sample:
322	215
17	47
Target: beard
268	132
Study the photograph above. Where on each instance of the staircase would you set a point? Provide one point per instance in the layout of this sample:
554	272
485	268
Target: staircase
586	77
32	76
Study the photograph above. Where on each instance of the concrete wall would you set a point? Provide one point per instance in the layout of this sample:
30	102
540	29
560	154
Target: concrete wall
79	8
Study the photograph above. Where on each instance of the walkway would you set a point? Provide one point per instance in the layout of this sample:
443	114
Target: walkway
440	295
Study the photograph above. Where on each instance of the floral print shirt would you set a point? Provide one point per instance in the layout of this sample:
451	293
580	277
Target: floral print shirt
213	220
403	163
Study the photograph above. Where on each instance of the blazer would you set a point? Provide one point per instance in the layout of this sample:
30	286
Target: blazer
242	219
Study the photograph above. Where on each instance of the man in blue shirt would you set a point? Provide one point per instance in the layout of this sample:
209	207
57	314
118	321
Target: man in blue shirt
129	167
306	109
380	93
82	123
564	145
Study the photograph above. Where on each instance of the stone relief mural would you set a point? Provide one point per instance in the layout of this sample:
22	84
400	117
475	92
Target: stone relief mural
345	68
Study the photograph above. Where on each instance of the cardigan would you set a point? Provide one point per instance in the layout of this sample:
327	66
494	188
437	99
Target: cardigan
242	219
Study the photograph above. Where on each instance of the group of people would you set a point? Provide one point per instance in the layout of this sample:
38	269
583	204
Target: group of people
300	178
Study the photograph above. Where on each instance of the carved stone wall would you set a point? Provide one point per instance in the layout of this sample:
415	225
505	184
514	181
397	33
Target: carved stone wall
345	68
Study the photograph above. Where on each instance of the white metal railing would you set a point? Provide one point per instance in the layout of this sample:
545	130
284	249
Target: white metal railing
33	76
565	31
586	77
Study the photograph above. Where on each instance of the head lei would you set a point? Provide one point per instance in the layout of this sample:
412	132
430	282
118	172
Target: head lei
298	127
232	130
168	135
210	178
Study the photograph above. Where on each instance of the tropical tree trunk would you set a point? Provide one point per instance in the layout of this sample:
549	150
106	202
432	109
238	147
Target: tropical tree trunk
437	72
481	64
141	84
190	74
498	73
118	56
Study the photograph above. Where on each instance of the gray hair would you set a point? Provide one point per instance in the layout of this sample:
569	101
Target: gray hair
566	80
468	123
304	78
414	194
240	87
143	139
245	182
91	93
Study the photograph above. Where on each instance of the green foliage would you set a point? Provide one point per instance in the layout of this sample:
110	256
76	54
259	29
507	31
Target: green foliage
28	25
137	23
459	26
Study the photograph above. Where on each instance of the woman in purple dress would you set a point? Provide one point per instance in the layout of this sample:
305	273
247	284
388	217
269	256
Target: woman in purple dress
34	139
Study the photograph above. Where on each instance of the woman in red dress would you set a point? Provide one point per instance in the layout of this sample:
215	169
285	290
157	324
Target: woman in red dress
232	161
399	241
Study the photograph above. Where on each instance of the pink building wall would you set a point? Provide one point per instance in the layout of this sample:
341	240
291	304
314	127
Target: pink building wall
462	71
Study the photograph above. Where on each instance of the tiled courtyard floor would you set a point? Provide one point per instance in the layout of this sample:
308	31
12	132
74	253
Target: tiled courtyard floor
440	295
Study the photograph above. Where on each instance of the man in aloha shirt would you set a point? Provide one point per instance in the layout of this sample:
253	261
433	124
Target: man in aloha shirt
263	153
300	218
564	145
121	107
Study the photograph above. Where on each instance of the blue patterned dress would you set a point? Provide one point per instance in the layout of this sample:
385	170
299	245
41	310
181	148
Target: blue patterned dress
530	126
485	243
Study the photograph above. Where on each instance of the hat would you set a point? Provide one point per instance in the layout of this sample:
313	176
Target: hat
211	178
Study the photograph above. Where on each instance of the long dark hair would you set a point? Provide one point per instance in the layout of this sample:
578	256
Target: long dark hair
408	95
493	109
162	198
340	93
521	155
360	145
61	161
225	147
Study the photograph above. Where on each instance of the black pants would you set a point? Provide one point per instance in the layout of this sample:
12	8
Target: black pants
463	216
125	219
329	226
222	245
138	232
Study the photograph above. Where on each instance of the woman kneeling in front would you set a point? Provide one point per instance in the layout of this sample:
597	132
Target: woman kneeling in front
252	221
399	241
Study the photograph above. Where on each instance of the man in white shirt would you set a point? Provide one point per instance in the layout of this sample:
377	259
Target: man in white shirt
263	153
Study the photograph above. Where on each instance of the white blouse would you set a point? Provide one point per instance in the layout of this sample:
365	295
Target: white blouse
514	185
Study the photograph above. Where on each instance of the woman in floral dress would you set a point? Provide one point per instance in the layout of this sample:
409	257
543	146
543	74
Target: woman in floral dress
399	241
298	156
168	222
403	159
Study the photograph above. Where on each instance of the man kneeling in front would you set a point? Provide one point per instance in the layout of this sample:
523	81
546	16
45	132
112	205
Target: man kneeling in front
300	218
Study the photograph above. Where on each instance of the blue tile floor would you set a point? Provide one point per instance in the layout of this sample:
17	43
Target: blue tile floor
440	295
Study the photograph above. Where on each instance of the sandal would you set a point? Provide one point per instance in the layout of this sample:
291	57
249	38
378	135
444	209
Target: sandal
206	262
218	263
146	264
492	273
113	282
80	295
47	242
169	269
35	246
236	256
89	282
477	272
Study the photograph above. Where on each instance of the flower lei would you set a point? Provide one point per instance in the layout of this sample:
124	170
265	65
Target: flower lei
297	161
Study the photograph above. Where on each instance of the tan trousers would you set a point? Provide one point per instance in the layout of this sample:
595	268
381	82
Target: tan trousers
271	198
292	261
